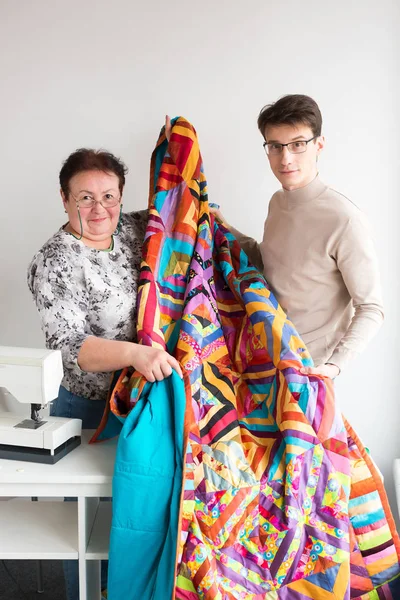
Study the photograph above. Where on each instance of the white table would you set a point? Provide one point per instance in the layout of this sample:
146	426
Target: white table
50	528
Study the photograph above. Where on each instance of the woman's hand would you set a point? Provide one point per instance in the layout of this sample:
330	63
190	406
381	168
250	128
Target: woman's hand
168	127
98	355
215	211
326	370
153	363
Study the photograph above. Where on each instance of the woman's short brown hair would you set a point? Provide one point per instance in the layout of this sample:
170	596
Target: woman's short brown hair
86	159
291	110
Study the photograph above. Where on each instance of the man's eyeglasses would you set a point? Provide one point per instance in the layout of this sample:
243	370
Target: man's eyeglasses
87	201
294	147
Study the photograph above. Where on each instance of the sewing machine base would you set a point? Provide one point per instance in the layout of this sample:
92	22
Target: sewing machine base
39	455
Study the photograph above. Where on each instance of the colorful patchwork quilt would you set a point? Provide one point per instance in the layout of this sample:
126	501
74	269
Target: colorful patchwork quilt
243	481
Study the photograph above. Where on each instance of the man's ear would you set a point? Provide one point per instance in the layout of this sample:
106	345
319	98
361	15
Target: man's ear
320	143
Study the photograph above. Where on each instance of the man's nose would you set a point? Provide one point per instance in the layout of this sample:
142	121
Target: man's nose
286	157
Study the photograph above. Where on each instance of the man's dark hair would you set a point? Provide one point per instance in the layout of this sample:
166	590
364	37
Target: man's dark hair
293	109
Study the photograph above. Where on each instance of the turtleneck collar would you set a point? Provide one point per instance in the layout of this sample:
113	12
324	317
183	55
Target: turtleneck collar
302	195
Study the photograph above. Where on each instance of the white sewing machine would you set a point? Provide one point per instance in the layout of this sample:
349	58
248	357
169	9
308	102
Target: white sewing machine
32	377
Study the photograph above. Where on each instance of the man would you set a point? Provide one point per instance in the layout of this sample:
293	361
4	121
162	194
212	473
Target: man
317	253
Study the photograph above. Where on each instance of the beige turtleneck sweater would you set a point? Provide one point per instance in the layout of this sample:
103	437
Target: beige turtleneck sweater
318	256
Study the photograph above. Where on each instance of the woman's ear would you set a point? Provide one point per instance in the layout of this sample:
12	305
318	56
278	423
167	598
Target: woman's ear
64	200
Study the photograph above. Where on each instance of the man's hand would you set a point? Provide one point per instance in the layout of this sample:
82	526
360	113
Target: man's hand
217	213
330	371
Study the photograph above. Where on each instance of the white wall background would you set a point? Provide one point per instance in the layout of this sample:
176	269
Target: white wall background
86	73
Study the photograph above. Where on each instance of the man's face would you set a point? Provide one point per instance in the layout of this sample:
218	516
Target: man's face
294	170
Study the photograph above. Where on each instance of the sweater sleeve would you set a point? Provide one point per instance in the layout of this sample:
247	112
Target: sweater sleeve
357	261
62	305
250	246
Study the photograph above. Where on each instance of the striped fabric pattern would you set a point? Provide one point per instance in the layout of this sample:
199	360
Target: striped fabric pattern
279	498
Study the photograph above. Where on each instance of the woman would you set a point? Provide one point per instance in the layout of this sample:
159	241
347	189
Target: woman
84	282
